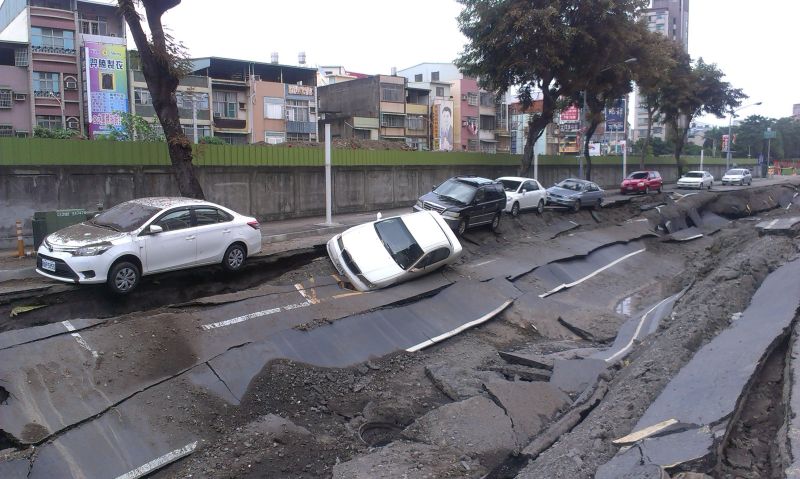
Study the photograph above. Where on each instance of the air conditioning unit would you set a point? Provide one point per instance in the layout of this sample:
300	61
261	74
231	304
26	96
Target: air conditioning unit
243	106
20	96
112	34
70	85
463	97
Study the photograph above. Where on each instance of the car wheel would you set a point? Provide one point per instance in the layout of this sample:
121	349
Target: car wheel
234	257
496	222
659	189
576	206
123	277
540	207
647	190
599	204
515	209
462	226
710	184
749	182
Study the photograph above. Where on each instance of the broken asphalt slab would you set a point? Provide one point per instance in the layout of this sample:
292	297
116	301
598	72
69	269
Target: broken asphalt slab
458	382
529	405
576	375
707	390
792	417
780	226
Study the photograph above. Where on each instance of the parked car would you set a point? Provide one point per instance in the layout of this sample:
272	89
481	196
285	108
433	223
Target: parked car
737	176
466	202
523	193
146	236
696	179
575	194
388	251
642	182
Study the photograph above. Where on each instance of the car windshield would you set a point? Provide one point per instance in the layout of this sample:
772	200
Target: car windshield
398	242
694	174
126	217
570	185
639	175
735	172
510	185
456	190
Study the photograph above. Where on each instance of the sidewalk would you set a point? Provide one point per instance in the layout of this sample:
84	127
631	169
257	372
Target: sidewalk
277	237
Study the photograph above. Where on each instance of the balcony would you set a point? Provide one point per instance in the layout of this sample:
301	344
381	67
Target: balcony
301	127
230	123
52	50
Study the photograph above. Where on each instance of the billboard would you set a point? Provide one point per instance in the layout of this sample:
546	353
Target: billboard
445	124
106	85
570	113
615	117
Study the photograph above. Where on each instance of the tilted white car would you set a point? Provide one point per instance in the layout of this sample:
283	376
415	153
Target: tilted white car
146	236
392	250
696	179
522	194
737	176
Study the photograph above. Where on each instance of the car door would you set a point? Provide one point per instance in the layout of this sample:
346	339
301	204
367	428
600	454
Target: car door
526	201
213	230
430	261
592	193
175	246
480	207
538	193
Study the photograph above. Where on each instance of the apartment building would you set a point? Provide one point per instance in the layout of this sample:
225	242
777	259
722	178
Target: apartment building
328	75
520	117
464	117
254	102
71	55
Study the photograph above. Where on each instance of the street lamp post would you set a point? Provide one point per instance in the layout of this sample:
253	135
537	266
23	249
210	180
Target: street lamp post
730	129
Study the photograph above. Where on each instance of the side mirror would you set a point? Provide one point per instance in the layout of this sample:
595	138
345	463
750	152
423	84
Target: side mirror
434	187
96	215
155	229
378	216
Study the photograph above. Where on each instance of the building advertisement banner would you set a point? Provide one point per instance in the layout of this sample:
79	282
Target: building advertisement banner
570	113
107	86
615	117
445	120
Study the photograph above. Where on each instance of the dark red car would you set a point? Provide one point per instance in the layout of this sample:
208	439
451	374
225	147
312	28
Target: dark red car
642	182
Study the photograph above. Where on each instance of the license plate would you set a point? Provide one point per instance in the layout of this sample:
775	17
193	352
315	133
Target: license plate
630	187
49	265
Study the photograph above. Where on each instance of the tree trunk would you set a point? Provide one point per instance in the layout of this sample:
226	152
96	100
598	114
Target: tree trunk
162	81
650	114
536	126
589	133
680	142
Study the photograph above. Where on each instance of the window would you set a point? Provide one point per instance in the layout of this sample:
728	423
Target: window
415	122
417	143
398	241
94	24
202	131
392	93
392	121
433	257
274	137
141	96
73	123
6	131
361	134
472	145
62	41
439	91
6	98
487	99
210	216
488	122
298	137
21	57
418	77
50	122
176	220
45	84
225	104
297	110
434	76
530	186
273	108
472	99
232	138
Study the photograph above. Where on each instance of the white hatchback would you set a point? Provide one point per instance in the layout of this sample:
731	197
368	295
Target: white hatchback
146	236
523	193
392	250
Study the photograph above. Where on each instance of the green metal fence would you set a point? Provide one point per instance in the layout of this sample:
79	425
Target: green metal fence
41	152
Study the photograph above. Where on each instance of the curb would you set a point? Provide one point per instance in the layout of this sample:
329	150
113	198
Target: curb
334	229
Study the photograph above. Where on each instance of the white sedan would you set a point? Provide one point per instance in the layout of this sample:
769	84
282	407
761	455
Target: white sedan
146	236
388	251
737	176
696	179
523	193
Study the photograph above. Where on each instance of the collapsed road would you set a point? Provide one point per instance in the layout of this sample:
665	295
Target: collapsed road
545	352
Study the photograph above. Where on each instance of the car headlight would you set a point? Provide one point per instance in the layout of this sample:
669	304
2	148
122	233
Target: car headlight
641	184
451	214
92	249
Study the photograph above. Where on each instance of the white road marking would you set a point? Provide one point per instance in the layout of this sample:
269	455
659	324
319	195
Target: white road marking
257	314
484	263
770	224
591	275
82	342
463	327
311	297
159	462
636	333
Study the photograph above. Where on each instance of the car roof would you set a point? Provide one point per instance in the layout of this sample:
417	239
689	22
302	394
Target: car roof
165	202
515	178
475	180
695	171
425	229
577	180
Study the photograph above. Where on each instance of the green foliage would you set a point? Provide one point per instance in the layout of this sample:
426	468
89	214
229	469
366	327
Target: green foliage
657	147
135	128
55	134
212	140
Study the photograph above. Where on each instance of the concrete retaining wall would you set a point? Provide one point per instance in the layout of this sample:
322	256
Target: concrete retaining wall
268	193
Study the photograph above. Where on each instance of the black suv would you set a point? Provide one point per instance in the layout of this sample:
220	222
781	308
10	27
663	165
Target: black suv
465	202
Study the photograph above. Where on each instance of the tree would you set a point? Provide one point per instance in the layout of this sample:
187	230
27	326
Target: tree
163	64
135	128
694	89
543	47
656	55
